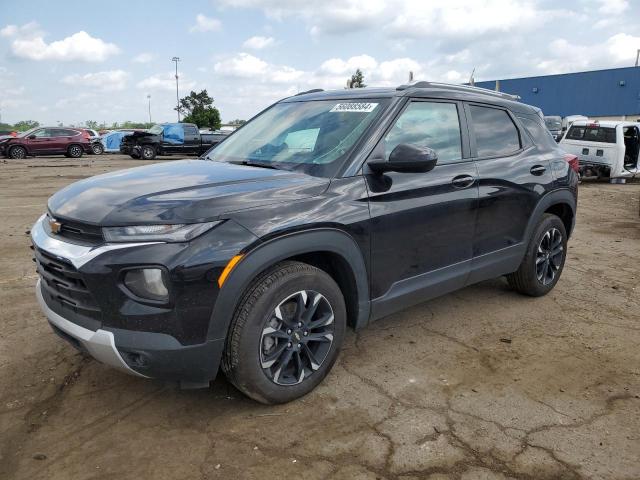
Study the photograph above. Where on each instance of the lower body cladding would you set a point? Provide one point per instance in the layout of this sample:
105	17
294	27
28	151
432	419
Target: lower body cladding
81	293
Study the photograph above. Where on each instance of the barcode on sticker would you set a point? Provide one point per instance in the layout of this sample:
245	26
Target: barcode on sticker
354	107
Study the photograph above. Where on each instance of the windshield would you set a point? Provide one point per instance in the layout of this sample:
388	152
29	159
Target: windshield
28	132
553	123
313	136
156	129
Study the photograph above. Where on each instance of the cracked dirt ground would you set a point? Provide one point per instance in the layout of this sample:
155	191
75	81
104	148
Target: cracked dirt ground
479	384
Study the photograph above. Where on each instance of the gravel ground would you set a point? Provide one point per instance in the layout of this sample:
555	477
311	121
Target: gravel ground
479	384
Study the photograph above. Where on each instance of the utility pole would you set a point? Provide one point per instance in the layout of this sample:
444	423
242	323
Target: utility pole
176	60
149	98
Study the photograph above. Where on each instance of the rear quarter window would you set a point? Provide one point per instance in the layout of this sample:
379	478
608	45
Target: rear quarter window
538	132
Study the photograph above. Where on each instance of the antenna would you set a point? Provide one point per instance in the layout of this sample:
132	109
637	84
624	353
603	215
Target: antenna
637	56
410	76
472	81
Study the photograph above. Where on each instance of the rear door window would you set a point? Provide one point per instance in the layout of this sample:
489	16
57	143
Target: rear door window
591	133
496	134
189	130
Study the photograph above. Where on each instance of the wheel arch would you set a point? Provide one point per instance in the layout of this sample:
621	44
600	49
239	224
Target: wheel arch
331	250
13	145
561	203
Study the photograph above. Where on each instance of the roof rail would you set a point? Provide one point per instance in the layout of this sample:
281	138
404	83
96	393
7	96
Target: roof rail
463	88
313	90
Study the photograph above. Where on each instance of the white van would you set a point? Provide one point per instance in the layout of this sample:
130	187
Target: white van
604	149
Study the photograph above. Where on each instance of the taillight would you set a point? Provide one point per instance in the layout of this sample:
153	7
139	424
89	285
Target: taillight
86	135
573	161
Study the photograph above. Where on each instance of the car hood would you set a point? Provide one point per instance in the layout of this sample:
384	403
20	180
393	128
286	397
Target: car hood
184	191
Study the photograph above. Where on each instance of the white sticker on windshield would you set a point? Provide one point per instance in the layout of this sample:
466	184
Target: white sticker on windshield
354	107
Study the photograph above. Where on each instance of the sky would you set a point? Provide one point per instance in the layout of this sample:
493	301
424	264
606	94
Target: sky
72	61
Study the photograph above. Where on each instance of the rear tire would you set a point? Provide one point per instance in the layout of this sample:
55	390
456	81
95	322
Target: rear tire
544	259
75	151
283	342
18	152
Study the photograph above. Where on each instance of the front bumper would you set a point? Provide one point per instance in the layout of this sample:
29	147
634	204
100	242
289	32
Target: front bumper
99	344
170	342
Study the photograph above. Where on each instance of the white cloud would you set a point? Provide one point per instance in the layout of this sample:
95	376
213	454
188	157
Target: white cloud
166	82
143	58
245	65
28	30
205	24
258	42
613	7
338	66
111	80
78	47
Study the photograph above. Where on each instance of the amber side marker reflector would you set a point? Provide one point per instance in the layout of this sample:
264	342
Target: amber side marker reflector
227	270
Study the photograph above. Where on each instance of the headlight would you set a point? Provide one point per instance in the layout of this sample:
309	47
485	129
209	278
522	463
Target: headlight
157	233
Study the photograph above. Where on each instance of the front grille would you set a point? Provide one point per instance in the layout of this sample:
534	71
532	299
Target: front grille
65	292
78	232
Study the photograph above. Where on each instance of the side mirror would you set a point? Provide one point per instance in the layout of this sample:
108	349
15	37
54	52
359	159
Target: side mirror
406	158
31	137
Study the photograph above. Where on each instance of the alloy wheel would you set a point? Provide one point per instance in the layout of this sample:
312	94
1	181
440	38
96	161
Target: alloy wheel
297	337
75	151
18	152
549	256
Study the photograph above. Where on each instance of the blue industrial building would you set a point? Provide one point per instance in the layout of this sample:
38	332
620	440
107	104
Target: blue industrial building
612	93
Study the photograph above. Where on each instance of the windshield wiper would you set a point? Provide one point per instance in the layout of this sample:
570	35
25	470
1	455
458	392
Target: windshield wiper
249	163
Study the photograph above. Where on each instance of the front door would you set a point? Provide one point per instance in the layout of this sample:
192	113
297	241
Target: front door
39	142
422	224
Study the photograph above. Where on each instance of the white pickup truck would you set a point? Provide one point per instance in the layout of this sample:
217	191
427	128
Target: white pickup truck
604	149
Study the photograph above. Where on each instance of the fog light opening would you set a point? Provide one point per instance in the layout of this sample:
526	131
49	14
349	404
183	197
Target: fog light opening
147	283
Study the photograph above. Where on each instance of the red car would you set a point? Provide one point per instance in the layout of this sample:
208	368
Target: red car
70	142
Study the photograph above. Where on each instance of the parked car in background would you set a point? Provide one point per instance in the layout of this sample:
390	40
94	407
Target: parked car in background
111	140
97	146
71	142
604	149
166	139
326	210
554	125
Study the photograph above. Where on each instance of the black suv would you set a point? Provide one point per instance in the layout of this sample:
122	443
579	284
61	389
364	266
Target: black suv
326	210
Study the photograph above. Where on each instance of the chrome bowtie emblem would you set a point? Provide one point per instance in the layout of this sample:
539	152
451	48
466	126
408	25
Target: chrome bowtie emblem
55	225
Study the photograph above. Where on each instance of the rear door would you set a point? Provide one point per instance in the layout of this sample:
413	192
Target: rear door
422	223
191	139
513	176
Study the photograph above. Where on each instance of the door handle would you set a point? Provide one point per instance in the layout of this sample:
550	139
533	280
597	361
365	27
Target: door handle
463	181
537	170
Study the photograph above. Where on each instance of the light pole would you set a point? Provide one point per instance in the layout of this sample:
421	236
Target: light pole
176	60
149	98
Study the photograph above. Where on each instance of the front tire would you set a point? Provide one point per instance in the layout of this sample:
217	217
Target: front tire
18	153
97	148
544	260
148	152
286	333
75	151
